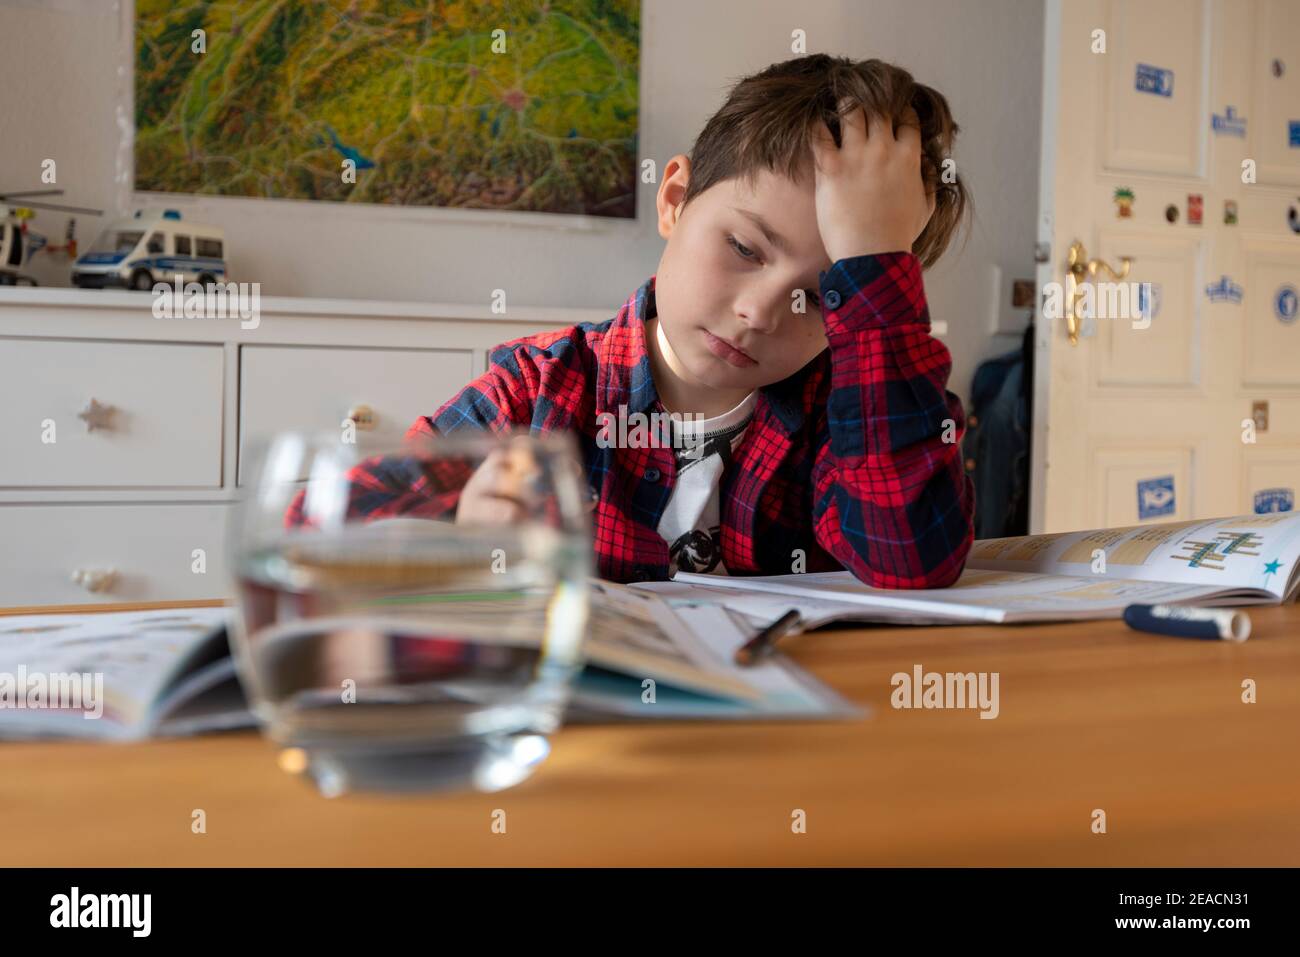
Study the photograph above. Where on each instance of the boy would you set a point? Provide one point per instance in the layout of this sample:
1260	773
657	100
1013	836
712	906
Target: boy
788	311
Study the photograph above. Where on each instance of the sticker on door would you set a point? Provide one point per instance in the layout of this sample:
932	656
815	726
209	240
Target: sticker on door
1154	79
1155	497
1268	500
1285	302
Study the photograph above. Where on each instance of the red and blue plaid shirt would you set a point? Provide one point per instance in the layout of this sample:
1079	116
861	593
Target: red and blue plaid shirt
852	462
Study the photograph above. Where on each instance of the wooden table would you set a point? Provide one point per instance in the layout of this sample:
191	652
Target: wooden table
1152	730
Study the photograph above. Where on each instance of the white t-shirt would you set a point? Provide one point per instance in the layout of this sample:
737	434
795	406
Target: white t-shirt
690	523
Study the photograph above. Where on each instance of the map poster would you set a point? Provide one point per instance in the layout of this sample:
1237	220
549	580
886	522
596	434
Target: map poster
508	105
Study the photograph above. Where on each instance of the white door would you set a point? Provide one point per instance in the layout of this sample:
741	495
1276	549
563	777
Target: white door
1149	105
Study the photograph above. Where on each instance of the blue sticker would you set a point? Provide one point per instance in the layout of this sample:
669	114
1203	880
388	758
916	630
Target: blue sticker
1156	497
1285	302
1274	500
1153	79
1229	123
1149	302
1293	133
1225	290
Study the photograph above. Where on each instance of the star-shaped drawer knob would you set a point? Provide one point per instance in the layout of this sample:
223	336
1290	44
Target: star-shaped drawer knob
97	416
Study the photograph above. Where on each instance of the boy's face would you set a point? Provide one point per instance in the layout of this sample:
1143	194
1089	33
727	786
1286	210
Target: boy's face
723	283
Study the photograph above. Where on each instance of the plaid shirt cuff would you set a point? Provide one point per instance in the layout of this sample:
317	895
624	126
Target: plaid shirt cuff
894	294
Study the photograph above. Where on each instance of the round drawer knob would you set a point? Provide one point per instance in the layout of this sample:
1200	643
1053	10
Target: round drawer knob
363	416
96	580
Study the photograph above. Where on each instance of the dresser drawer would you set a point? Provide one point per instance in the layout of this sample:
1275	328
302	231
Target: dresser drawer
152	551
315	388
156	421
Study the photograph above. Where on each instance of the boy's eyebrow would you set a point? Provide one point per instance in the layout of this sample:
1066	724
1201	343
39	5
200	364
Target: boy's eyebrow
772	235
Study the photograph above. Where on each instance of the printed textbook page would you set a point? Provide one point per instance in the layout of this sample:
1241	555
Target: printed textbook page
1250	559
1250	552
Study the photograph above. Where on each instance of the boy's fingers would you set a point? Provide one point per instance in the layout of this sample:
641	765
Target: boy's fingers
853	125
909	137
511	472
822	147
499	510
880	133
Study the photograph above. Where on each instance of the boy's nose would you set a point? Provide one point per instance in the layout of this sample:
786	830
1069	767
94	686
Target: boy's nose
764	320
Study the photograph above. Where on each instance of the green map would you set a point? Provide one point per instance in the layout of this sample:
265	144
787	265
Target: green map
488	105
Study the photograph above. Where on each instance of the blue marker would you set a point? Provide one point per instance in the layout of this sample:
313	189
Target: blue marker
1183	621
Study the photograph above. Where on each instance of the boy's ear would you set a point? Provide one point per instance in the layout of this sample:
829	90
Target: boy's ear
675	180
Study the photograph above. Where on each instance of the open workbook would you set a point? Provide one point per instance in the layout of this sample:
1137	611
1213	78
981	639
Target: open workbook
1247	560
132	675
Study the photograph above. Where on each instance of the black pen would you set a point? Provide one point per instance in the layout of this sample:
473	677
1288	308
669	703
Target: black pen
1189	621
762	644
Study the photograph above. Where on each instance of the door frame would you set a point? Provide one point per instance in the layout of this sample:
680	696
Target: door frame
1046	271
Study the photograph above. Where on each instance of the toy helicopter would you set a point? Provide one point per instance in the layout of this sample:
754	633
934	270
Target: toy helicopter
19	243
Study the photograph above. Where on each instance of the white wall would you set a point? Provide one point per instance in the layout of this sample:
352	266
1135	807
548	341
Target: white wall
60	88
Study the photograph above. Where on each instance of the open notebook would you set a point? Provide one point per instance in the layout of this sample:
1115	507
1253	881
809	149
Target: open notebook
1246	560
165	673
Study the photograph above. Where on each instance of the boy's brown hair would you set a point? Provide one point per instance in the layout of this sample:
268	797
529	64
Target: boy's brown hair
769	119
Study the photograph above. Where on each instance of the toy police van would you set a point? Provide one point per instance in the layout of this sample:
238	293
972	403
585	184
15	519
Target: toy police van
152	247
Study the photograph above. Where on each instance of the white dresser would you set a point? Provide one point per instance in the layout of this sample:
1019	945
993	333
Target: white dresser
121	434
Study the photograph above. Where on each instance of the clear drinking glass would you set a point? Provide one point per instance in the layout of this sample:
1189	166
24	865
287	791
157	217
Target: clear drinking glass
389	639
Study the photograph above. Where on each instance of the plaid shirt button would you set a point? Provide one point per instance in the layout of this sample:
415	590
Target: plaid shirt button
832	298
651	474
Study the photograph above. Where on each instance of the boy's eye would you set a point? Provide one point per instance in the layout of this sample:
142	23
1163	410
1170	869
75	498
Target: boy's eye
744	251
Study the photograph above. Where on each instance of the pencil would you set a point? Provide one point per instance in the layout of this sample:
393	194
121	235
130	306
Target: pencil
762	643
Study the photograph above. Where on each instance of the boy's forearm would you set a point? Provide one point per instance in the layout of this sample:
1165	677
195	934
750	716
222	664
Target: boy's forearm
891	501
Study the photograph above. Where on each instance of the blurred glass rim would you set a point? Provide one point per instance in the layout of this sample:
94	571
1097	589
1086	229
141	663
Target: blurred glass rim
317	462
467	442
306	448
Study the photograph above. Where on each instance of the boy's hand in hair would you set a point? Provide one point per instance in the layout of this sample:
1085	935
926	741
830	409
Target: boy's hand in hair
870	196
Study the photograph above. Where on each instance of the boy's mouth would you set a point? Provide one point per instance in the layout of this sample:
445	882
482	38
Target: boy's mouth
728	351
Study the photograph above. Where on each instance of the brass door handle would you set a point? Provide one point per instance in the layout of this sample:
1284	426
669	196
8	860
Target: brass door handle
1082	268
